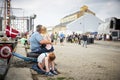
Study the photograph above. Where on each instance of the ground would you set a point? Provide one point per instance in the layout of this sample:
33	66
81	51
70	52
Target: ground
100	61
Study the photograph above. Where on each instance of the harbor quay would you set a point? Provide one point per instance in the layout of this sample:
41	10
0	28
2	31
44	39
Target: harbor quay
99	61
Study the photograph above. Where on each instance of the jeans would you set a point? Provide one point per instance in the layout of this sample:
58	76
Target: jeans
37	69
84	44
24	58
42	50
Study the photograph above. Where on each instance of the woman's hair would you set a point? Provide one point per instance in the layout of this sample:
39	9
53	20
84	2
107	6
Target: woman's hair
38	27
52	56
43	30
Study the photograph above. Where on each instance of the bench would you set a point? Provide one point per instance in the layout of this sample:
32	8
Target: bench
33	55
30	54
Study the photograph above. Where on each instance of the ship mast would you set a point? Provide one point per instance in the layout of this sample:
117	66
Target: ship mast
7	7
4	16
8	12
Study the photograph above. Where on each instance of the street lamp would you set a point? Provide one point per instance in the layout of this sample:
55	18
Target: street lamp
32	21
33	16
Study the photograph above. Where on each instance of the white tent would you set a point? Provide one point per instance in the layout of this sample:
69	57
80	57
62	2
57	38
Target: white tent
86	23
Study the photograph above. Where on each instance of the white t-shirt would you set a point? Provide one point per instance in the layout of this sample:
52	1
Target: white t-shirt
41	57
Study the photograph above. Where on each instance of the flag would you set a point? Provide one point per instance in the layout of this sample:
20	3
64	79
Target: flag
10	32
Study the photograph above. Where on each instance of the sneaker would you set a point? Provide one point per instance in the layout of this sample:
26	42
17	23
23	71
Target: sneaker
54	72
49	74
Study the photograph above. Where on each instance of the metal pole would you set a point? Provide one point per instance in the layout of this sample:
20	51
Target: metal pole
4	17
30	23
23	22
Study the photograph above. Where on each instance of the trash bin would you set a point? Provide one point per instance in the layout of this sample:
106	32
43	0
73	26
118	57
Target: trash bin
90	40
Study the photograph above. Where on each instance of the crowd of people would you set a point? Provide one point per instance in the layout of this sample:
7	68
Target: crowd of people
82	39
104	37
55	37
77	38
74	38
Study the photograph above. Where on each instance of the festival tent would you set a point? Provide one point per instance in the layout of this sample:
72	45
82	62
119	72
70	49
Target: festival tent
86	23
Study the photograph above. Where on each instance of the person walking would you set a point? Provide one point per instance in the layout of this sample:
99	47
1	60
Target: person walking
55	38
79	39
84	38
52	37
62	36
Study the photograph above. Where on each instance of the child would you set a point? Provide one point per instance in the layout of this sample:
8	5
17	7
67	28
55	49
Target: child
23	40
46	63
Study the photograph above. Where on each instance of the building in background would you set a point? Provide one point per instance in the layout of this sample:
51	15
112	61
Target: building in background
84	24
76	15
49	30
69	18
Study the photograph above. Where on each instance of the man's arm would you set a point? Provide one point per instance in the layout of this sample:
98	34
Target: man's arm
45	42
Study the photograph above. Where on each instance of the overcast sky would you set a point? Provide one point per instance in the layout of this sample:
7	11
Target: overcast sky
49	12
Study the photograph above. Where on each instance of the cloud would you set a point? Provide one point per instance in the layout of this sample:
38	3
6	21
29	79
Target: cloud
104	8
98	1
110	9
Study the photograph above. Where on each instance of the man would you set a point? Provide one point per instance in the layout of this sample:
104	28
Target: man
84	38
36	41
52	37
55	37
62	36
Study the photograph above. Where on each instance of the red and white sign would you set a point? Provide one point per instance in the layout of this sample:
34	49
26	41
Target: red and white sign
5	52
